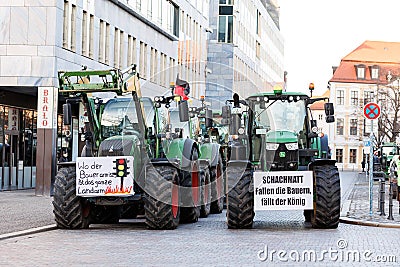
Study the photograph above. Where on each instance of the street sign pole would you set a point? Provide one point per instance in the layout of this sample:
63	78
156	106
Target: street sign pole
371	111
371	166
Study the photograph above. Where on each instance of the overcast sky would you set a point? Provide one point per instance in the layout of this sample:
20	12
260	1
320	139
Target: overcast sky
319	33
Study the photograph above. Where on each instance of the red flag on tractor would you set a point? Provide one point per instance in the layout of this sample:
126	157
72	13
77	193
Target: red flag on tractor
182	88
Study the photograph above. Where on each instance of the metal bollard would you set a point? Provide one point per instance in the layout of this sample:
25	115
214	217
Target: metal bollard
390	217
382	197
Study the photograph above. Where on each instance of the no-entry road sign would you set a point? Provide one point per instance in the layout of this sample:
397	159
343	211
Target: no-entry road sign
372	111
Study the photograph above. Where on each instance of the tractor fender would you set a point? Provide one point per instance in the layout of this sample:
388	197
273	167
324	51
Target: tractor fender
321	162
210	152
188	147
181	149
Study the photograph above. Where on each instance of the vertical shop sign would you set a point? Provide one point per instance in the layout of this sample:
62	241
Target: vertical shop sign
13	119
45	107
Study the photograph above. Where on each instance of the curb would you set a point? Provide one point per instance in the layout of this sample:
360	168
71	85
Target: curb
367	223
28	232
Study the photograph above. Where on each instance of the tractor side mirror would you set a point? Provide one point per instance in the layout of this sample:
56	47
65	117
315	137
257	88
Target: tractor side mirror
330	119
67	114
236	101
209	118
183	111
329	110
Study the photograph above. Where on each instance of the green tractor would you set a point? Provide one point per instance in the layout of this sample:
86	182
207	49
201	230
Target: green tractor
128	166
276	160
387	152
212	184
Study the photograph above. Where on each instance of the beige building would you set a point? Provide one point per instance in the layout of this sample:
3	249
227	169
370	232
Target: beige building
361	78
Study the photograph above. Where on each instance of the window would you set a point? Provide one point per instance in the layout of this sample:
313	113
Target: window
368	96
374	72
107	49
353	156
102	40
69	26
340	97
153	64
85	33
143	60
116	47
121	50
339	155
353	126
320	117
258	23
339	126
258	49
172	69
354	98
131	50
360	71
91	36
225	24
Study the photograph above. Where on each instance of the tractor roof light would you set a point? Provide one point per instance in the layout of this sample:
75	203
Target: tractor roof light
278	89
311	88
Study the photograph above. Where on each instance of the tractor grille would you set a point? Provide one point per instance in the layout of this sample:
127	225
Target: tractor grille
115	147
287	163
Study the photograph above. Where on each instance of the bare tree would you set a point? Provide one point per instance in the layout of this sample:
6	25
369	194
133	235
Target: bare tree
389	100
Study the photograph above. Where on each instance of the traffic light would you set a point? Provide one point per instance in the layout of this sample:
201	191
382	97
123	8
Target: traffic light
121	168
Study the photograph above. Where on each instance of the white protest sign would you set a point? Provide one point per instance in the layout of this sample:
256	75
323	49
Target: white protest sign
291	190
104	176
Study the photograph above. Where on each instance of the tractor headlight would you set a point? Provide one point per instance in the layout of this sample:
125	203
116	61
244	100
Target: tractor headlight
292	146
156	99
272	146
241	131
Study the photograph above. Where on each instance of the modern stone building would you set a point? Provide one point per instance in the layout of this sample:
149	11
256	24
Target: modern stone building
39	37
245	49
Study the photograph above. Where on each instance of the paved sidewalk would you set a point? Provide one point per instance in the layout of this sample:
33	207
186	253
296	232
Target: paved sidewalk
358	210
22	210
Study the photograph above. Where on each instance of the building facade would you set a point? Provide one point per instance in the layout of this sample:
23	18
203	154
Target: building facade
245	49
38	38
361	78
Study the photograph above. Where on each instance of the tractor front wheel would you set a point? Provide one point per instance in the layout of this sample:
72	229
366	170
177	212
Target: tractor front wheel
162	209
70	211
327	197
240	207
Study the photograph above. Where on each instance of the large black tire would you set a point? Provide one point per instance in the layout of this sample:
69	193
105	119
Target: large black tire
70	211
217	189
191	192
162	209
205	193
240	206
327	197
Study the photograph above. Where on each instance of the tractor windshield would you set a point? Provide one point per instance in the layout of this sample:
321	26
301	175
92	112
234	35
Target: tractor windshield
119	117
280	115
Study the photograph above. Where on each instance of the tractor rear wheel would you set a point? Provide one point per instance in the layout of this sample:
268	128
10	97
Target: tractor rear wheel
71	211
327	191
191	191
217	189
240	206
205	193
162	209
